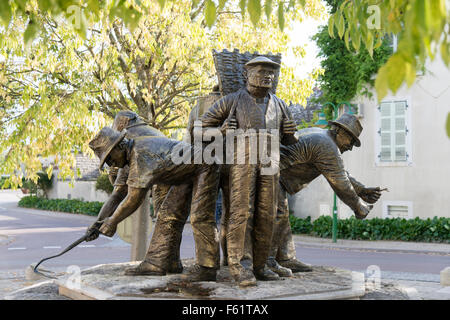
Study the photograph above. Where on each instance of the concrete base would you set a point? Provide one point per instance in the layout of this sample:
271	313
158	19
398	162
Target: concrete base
445	277
108	282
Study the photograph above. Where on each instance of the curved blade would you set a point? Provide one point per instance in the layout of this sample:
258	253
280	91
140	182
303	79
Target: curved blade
73	245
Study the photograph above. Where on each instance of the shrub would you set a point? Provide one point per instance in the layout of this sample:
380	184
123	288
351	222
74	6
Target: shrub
44	183
104	184
300	225
63	205
426	230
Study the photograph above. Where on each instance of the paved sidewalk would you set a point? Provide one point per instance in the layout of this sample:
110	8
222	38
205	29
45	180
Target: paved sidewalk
378	245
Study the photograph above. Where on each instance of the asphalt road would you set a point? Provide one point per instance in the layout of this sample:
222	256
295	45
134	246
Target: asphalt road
27	235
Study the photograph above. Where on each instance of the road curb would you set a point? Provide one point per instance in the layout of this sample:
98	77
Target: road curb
379	246
56	214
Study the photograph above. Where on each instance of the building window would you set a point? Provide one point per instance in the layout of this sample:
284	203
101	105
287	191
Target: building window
393	133
397	209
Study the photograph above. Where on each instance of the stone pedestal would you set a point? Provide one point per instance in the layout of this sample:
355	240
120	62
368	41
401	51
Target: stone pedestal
445	277
108	282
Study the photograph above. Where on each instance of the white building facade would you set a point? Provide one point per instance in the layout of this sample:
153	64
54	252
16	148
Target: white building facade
404	148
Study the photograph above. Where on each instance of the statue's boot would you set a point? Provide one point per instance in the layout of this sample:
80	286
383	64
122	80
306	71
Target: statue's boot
145	269
175	267
278	269
199	273
265	274
244	277
295	265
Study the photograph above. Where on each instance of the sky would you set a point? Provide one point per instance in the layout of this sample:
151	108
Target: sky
301	36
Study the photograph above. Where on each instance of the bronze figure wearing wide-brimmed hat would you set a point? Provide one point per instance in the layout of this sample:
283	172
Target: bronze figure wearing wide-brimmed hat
128	123
104	142
317	152
351	124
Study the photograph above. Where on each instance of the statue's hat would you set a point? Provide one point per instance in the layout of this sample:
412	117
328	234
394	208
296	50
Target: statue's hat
351	124
262	60
104	142
123	118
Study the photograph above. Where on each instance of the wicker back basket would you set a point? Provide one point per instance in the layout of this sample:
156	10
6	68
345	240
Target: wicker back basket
230	67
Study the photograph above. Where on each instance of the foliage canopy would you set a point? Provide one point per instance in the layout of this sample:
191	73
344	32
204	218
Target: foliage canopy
59	88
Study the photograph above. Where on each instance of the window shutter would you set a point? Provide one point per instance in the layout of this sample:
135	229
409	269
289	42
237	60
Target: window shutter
393	131
385	132
400	131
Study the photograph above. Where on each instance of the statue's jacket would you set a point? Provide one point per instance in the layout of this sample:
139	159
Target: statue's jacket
248	114
151	162
316	153
139	129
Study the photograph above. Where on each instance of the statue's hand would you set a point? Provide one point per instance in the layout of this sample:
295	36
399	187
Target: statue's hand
363	210
289	126
371	195
108	228
229	124
93	231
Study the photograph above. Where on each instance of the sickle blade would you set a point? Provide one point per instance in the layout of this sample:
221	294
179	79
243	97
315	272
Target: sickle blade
73	245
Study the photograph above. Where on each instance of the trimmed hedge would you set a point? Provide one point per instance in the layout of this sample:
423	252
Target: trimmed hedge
419	230
62	205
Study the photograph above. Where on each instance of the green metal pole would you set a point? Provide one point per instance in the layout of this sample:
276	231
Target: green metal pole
334	219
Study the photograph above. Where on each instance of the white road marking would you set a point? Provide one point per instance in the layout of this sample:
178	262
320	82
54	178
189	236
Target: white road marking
87	246
39	230
52	247
21	248
7	218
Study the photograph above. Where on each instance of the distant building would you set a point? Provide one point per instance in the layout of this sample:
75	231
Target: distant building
306	113
84	186
404	148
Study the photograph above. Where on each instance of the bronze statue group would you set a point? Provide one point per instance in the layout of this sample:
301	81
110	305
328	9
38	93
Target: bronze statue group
255	233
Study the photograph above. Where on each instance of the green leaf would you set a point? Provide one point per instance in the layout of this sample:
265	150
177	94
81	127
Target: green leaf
162	3
410	73
379	41
347	38
131	18
30	33
210	13
254	8
5	12
369	43
445	52
94	5
356	38
447	125
396	72
281	15
341	25
331	26
381	83
221	4
243	6
268	8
